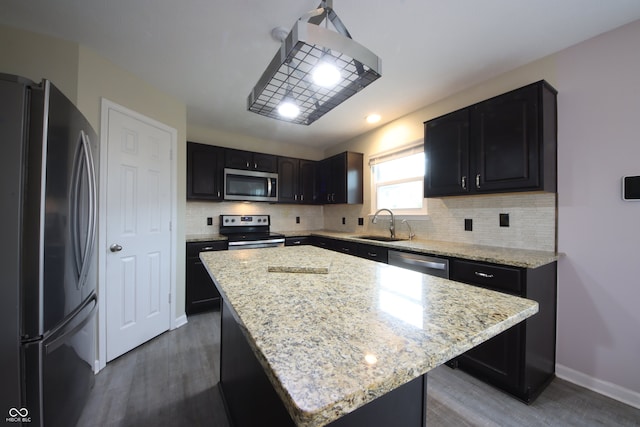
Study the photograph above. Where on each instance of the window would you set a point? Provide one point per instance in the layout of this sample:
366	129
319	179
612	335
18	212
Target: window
398	181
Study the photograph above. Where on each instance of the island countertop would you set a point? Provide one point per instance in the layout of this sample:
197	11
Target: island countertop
334	341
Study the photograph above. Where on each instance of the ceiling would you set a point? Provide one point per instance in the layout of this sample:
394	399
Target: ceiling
210	54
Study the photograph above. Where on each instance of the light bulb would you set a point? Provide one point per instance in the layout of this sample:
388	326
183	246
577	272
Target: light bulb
288	108
373	118
326	74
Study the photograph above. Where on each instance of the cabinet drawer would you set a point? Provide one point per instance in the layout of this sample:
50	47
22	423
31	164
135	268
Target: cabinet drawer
376	253
499	278
194	248
296	241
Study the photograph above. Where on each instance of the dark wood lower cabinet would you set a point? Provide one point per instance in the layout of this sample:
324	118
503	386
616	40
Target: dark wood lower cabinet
251	400
521	360
201	293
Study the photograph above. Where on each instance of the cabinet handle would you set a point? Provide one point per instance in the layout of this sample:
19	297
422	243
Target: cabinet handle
372	254
207	248
247	165
218	194
295	197
478	181
255	165
464	182
302	197
485	275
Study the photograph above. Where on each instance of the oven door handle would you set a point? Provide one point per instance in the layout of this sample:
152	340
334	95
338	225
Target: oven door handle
256	242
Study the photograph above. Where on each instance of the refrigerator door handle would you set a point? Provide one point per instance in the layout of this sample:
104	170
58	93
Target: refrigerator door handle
84	162
57	341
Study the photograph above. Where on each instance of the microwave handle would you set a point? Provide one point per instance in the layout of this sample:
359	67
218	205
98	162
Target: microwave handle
269	186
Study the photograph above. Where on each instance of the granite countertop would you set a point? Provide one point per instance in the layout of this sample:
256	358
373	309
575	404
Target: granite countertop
194	238
507	256
524	258
333	342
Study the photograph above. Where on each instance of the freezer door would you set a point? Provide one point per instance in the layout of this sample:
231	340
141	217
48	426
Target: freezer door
61	208
12	126
59	370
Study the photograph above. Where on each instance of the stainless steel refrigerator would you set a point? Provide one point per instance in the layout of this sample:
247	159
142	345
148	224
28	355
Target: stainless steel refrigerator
48	165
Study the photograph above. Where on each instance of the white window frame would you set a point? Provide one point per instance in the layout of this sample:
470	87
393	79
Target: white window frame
399	152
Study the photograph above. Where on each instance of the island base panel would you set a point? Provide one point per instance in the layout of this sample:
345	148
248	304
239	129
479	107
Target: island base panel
250	399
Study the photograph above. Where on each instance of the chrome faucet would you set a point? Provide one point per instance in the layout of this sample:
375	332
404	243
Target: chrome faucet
392	227
411	233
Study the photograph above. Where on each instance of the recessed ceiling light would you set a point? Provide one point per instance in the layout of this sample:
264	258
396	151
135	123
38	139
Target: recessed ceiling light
373	118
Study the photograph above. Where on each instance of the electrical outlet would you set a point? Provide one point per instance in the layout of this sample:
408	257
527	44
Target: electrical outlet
504	220
468	224
360	221
344	220
297	220
209	220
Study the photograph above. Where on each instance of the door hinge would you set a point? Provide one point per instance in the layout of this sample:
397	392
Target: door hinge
170	225
169	298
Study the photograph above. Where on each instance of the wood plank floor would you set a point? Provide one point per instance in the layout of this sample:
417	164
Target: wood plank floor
171	381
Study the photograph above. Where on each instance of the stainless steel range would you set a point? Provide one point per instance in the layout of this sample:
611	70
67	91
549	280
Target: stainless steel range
249	232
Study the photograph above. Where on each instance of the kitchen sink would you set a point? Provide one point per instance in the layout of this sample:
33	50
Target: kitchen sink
380	238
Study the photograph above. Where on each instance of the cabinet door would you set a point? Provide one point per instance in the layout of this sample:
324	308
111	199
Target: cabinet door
498	361
446	147
204	172
506	142
288	177
339	178
265	162
324	184
238	159
307	181
201	293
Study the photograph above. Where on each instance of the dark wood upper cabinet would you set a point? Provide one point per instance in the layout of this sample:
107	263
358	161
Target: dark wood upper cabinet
307	182
296	180
506	143
205	164
248	160
447	155
340	179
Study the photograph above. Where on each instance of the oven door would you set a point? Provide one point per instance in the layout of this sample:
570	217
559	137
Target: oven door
250	185
255	244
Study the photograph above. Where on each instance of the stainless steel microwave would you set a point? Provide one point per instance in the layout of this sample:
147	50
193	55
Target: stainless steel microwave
250	185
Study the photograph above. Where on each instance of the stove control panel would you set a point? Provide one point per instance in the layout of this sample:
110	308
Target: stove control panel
243	220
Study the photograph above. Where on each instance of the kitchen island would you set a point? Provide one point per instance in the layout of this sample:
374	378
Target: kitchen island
312	337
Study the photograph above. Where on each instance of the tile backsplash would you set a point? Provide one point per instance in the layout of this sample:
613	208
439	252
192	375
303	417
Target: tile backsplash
532	219
283	217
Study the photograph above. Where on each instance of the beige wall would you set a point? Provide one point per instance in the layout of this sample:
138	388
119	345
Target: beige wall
224	139
38	57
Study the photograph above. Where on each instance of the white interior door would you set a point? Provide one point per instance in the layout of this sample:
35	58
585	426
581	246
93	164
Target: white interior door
138	232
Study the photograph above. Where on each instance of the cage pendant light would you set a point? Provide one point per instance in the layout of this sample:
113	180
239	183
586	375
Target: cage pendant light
308	45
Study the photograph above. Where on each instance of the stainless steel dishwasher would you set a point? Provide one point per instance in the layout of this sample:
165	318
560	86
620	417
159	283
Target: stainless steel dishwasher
422	263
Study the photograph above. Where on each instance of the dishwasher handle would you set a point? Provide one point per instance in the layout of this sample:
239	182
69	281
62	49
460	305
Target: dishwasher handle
422	263
428	264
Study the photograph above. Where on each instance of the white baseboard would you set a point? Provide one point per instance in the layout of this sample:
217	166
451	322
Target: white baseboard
181	321
605	388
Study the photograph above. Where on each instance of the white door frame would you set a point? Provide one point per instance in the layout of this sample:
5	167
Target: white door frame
102	224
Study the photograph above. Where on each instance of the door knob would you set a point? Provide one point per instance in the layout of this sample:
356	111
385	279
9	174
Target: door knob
115	248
